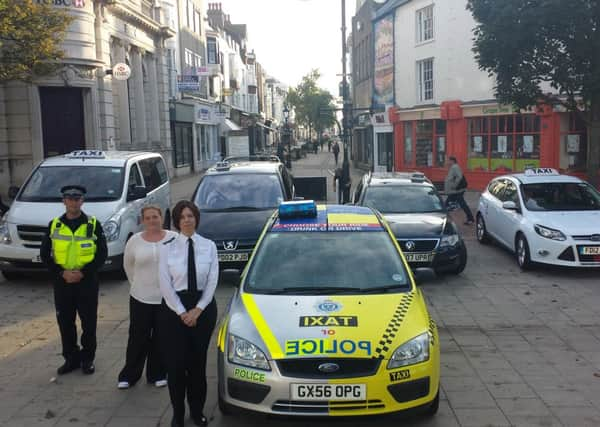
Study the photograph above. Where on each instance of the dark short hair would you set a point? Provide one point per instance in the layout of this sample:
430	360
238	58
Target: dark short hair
178	209
453	159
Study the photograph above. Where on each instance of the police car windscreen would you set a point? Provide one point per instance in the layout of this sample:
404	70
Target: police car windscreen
560	196
239	191
403	199
102	183
327	262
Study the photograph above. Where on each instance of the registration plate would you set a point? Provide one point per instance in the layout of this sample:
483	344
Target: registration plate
590	250
328	391
426	257
233	257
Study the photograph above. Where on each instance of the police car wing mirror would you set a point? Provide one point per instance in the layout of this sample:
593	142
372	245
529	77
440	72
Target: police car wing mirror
510	206
137	192
423	275
13	190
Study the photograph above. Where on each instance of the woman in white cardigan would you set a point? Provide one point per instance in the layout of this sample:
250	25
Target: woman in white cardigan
140	262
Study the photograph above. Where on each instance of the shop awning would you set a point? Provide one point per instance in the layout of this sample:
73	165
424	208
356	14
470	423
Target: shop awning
229	125
266	127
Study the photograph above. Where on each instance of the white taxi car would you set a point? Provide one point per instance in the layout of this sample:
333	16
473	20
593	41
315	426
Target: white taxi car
543	217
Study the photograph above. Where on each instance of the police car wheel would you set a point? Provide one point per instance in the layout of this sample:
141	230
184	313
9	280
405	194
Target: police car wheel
434	406
12	275
463	262
224	407
522	252
481	231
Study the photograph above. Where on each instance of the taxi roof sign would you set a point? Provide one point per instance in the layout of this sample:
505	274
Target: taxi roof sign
86	154
298	209
541	172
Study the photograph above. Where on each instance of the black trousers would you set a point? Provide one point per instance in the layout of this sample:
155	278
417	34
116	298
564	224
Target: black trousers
460	199
143	345
185	354
82	299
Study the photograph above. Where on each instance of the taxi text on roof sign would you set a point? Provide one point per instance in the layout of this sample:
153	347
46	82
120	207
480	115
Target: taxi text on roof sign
86	154
540	172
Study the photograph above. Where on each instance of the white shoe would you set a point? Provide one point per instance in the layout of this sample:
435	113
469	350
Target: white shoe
160	383
122	385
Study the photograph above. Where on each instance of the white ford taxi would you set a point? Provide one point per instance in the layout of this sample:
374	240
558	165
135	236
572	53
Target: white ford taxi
543	217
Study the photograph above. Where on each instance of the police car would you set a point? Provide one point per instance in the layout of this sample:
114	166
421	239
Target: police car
118	184
327	321
543	217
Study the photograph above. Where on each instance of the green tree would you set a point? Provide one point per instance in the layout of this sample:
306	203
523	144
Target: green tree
530	44
312	105
30	37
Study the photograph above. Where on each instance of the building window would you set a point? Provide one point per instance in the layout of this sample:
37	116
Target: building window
197	22
503	144
425	79
189	13
425	24
182	137
573	143
211	50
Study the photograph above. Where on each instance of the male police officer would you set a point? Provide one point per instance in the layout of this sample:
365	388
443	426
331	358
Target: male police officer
74	248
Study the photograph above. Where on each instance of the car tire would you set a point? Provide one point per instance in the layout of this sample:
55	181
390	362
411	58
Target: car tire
463	261
522	252
434	405
12	275
481	230
224	407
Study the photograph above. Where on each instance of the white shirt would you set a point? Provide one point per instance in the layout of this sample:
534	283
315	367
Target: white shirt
173	268
140	263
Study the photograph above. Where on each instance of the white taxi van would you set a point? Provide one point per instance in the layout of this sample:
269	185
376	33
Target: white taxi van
118	184
543	217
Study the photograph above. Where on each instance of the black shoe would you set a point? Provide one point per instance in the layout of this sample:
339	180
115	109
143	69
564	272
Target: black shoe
67	367
200	421
88	368
174	423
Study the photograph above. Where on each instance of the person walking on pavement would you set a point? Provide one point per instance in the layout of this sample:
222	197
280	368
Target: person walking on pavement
455	186
336	151
188	275
329	145
74	249
343	185
140	262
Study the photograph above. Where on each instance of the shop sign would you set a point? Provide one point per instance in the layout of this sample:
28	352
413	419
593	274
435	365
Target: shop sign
201	71
203	114
498	110
64	3
188	83
227	91
121	71
363	120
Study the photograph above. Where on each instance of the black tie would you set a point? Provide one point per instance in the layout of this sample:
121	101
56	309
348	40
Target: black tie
191	267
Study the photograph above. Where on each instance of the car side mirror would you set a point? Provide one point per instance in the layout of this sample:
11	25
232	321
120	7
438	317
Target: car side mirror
510	206
13	190
232	276
423	275
136	192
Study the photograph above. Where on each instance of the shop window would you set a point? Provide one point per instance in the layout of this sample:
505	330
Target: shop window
408	149
504	144
424	146
430	143
573	143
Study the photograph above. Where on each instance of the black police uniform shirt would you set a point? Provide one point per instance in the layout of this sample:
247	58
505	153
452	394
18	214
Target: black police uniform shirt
89	269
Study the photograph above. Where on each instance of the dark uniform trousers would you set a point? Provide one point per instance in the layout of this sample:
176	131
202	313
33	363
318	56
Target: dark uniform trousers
185	355
144	344
71	299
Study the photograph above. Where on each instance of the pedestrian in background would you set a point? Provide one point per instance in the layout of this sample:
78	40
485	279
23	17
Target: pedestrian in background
140	262
74	249
188	274
455	186
336	151
329	145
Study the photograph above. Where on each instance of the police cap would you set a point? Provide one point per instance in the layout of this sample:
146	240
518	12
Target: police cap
73	191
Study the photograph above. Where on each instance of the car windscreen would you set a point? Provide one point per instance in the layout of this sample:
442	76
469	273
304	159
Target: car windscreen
403	199
239	191
309	263
103	183
560	196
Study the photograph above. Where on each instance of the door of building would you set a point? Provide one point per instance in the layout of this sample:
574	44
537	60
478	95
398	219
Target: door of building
63	127
385	151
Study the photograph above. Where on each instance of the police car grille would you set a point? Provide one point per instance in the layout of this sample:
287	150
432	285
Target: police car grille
31	233
420	245
309	368
241	245
324	407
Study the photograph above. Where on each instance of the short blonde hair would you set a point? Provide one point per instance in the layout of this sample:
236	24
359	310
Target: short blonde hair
151	207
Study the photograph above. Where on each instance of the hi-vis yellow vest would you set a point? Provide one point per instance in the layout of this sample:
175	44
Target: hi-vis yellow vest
73	250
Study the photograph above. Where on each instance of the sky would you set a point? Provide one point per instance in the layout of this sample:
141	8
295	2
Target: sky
291	37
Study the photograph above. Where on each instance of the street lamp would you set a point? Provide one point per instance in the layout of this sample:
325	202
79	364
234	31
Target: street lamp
286	116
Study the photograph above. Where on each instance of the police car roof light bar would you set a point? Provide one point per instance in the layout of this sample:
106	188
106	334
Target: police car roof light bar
298	209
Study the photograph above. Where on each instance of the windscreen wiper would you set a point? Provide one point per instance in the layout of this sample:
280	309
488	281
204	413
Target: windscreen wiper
384	288
310	290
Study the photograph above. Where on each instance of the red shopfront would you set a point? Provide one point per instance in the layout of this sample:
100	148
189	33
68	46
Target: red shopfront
487	141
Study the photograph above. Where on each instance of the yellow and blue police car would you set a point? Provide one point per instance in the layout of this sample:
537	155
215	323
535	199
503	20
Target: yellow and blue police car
327	321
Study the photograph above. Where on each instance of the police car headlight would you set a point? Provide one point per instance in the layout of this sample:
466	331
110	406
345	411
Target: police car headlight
111	229
411	352
245	353
450	240
4	232
549	233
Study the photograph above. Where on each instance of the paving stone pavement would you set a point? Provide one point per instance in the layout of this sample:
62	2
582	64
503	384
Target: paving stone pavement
518	349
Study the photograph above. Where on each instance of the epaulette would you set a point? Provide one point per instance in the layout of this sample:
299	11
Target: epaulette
169	241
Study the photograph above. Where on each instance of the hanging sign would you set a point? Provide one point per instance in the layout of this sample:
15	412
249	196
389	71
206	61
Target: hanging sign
121	71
